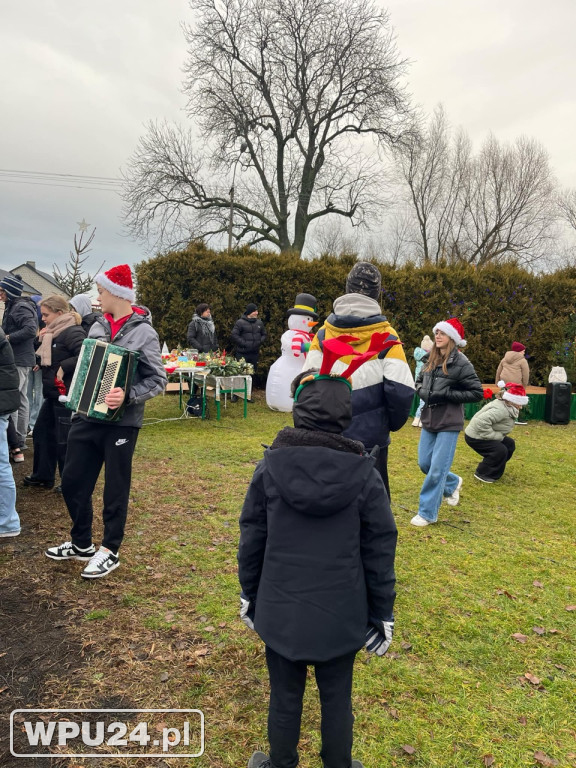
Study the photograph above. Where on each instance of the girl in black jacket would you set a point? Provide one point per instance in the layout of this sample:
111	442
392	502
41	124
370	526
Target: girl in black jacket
59	346
447	381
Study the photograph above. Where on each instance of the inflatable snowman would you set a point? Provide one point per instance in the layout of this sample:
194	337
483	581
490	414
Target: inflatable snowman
294	343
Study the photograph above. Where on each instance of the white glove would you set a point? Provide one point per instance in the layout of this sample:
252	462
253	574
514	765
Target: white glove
244	608
379	636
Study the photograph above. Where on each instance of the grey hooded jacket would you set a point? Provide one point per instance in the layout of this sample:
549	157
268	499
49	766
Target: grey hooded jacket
138	335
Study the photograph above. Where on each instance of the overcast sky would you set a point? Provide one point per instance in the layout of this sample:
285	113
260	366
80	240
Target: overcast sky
80	79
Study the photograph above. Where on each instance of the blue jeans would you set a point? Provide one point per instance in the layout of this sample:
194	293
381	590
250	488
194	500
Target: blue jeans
9	520
435	454
419	409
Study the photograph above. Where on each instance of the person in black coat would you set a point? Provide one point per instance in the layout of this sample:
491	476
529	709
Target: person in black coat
316	567
9	400
446	381
20	324
248	335
201	333
59	346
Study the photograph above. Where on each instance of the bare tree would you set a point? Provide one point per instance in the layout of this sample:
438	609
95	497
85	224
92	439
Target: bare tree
435	170
310	87
74	280
333	238
567	205
509	204
495	206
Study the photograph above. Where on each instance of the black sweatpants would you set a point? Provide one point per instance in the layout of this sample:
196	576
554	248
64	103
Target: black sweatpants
382	467
90	445
496	454
287	684
49	439
13	441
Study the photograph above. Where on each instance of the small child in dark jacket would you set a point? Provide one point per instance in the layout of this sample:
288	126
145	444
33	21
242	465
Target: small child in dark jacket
316	567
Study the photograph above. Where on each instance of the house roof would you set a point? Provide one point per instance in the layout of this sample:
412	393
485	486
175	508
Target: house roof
45	275
27	287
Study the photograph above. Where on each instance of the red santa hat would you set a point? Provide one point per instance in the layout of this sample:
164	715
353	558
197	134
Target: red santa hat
118	281
452	328
514	393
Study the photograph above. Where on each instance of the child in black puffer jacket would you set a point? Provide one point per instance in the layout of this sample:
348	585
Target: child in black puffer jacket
316	567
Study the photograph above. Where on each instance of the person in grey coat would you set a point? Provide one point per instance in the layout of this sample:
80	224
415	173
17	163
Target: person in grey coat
20	324
93	443
488	430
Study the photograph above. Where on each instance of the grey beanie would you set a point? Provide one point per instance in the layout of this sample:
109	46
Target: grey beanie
364	278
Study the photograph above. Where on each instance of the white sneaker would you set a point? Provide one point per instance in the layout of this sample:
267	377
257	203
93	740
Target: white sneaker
101	564
454	498
417	422
420	521
69	551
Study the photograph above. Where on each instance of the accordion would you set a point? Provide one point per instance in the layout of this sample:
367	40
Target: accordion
100	368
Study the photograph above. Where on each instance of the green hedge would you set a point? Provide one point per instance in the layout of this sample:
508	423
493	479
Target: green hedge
497	304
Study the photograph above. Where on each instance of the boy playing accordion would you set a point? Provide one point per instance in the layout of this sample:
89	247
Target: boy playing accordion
93	443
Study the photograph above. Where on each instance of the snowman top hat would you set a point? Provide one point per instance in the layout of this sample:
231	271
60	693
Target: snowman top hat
305	304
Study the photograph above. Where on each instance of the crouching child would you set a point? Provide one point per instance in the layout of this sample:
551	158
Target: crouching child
487	432
316	564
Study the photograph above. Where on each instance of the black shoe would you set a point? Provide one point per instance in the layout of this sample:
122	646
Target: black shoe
483	479
233	398
259	760
69	551
33	483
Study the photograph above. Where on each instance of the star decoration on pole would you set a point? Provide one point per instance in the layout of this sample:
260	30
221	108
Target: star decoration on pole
82	225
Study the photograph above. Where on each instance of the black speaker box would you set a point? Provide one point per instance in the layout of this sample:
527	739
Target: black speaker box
557	405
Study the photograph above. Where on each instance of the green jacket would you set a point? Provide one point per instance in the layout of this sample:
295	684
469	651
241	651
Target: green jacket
492	422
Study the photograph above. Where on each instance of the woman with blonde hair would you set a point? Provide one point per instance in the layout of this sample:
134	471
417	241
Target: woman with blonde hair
57	350
445	383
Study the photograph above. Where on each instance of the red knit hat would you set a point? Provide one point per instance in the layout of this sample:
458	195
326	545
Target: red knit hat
452	328
118	281
517	347
514	393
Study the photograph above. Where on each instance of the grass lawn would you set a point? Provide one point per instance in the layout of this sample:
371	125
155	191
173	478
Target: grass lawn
482	670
